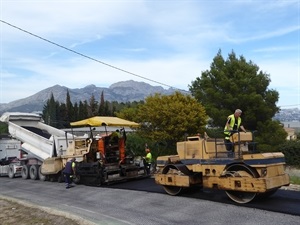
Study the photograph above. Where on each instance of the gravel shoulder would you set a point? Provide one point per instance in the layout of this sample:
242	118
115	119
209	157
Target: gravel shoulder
15	211
292	172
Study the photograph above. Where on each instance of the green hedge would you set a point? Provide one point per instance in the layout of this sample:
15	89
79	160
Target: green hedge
291	150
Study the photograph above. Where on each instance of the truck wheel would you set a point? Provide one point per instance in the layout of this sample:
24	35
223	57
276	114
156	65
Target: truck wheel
34	172
11	172
25	172
42	176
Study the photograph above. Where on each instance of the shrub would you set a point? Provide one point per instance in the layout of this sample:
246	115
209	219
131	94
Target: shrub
291	150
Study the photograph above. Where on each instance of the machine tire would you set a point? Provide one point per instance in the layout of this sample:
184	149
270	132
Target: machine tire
174	190
34	172
42	176
267	194
25	172
11	172
60	178
122	172
53	178
235	171
76	179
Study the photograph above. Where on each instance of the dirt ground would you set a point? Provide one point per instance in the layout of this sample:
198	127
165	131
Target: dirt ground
17	212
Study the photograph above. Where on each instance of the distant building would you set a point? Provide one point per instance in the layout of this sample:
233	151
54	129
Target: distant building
291	133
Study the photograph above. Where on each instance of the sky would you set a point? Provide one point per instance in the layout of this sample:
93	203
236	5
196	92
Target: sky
161	42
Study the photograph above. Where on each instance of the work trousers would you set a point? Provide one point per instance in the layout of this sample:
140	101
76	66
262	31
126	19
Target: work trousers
148	168
68	179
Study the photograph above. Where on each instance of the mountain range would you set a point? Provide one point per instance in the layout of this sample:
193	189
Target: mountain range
123	91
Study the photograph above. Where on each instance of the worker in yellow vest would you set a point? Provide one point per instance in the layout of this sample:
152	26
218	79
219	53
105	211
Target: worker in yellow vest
233	124
148	161
69	171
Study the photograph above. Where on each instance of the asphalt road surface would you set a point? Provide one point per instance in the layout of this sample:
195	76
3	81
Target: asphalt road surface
144	202
282	201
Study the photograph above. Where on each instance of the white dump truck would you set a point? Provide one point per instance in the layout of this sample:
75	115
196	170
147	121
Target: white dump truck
39	141
10	155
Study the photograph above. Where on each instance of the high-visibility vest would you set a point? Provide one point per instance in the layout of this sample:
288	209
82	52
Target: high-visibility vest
149	157
231	125
69	167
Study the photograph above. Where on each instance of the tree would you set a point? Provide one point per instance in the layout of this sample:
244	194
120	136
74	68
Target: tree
107	111
76	112
82	110
270	136
168	118
93	107
291	152
61	114
233	84
129	113
3	128
70	114
101	111
50	111
62	118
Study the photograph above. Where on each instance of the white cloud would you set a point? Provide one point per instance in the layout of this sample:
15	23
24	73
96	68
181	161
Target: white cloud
164	42
277	49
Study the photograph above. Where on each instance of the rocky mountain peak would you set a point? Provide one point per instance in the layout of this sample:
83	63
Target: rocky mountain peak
123	91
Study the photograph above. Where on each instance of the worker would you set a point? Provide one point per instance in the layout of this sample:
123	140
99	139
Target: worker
69	171
233	124
148	161
114	137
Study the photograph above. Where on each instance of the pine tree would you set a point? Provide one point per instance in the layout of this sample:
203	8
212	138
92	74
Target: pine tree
101	111
69	108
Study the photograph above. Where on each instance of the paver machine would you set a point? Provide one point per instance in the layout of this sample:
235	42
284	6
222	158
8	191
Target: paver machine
101	157
205	163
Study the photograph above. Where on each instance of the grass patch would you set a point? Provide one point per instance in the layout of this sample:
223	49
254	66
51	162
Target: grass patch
295	180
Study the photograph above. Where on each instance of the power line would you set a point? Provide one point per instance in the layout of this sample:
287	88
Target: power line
91	58
106	64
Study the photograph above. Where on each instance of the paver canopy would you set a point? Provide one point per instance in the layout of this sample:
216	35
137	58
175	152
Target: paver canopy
97	121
